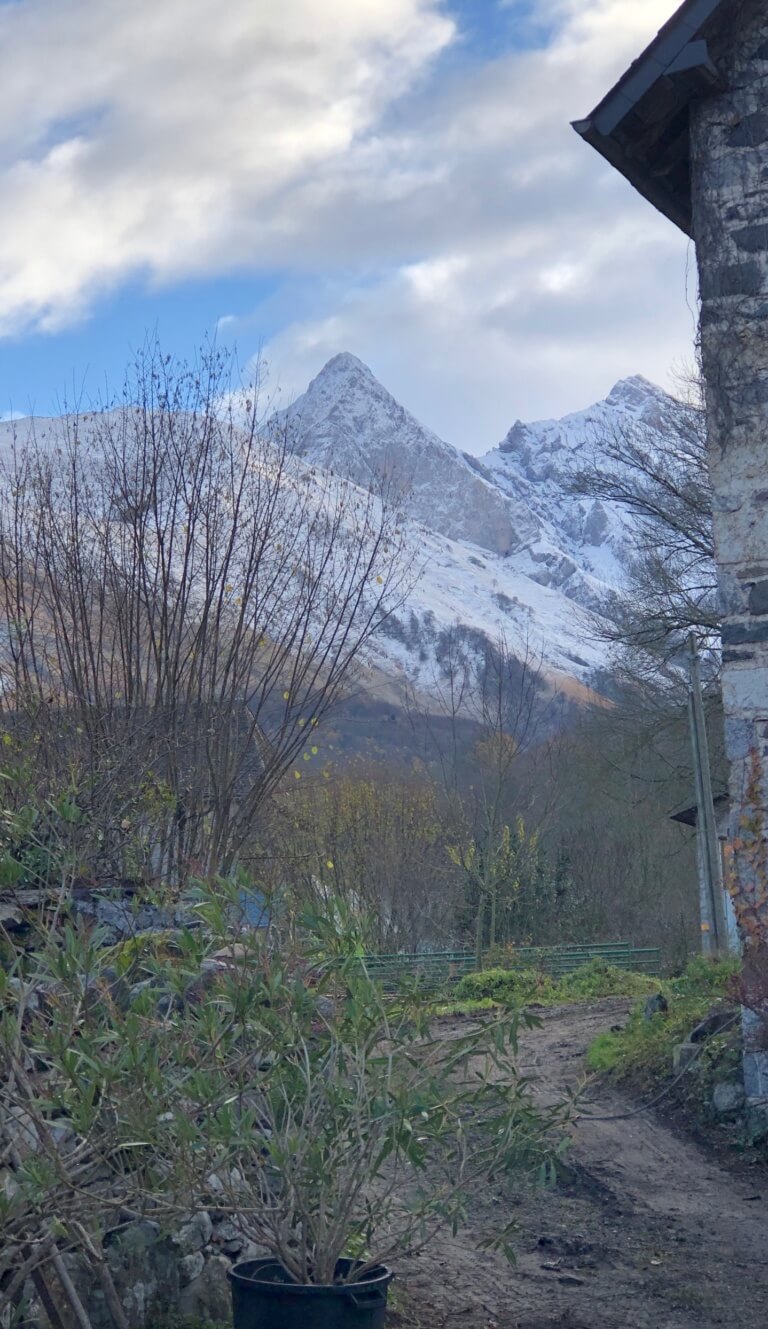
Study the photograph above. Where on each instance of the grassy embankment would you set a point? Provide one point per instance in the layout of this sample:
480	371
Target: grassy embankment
642	1050
638	1052
499	988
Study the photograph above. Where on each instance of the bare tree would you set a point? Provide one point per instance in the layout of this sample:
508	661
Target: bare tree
376	839
185	601
516	716
671	585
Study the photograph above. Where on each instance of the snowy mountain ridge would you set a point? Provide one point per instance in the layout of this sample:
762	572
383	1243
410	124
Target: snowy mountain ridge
502	542
507	545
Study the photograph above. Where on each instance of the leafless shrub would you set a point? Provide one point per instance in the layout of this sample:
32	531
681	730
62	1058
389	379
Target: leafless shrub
184	603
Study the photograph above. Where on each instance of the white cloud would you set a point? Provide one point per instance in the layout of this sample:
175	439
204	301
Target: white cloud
164	136
452	229
545	277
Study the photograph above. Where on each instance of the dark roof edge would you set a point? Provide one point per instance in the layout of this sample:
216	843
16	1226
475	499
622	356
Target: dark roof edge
688	813
683	27
637	176
664	58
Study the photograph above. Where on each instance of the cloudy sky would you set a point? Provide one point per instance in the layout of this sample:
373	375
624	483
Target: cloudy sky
396	178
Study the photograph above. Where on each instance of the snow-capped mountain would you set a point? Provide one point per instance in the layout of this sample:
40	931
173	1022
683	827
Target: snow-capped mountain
506	544
501	544
581	545
348	423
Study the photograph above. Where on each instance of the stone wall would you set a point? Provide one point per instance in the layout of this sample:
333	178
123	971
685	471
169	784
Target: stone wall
729	158
160	1275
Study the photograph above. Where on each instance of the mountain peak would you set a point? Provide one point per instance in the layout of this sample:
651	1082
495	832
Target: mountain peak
348	422
634	391
342	366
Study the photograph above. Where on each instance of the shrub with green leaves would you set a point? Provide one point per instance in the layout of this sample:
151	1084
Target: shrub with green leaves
284	1088
514	987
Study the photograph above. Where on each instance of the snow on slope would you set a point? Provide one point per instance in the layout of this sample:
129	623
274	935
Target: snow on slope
502	542
583	543
506	544
347	422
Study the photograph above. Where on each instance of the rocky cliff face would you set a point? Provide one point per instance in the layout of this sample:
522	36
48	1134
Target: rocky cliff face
347	422
506	543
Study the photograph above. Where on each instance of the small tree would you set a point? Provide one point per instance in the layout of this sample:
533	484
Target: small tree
505	695
185	602
376	838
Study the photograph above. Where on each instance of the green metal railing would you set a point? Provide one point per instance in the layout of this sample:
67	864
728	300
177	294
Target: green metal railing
438	969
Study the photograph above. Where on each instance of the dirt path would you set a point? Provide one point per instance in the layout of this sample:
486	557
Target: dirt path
651	1233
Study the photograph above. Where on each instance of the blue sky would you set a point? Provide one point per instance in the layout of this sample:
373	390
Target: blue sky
396	178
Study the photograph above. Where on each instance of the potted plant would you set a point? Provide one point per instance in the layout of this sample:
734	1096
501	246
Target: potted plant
325	1118
343	1133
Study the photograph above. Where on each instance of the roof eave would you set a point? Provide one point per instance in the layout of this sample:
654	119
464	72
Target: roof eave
672	72
633	171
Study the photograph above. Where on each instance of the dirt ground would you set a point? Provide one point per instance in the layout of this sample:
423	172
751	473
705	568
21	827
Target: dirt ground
652	1232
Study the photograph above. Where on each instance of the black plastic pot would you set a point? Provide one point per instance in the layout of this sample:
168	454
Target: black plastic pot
265	1297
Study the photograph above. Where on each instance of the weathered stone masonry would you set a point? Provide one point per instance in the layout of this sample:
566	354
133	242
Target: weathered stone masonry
687	124
729	192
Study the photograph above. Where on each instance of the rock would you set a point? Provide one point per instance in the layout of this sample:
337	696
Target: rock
756	1123
656	1004
229	1237
229	957
191	1267
138	989
208	1297
325	1007
727	1097
134	1236
684	1055
712	1024
227	1230
32	996
20	1129
62	1134
195	1234
252	1251
224	1183
138	1300
168	1004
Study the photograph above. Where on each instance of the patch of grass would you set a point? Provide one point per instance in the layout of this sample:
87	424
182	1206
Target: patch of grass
505	987
599	979
518	987
641	1052
704	977
470	1007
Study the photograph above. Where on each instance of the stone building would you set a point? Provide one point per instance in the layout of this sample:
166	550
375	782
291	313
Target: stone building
687	125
